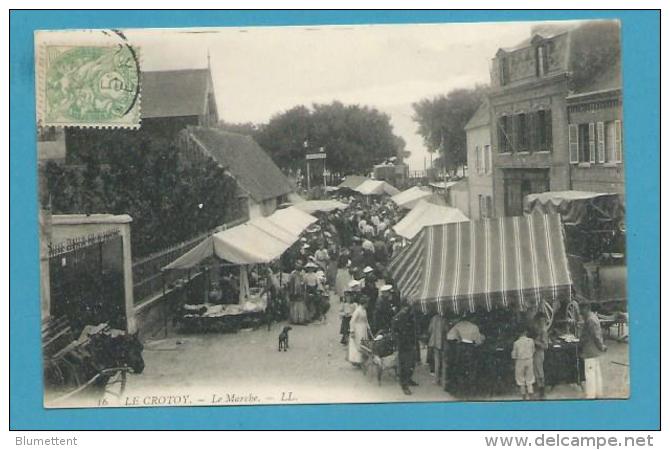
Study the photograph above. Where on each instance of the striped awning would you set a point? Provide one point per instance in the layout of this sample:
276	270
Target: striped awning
511	262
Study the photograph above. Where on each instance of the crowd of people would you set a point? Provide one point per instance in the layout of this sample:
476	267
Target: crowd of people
345	256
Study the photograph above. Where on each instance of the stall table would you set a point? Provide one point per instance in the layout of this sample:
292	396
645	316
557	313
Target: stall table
489	369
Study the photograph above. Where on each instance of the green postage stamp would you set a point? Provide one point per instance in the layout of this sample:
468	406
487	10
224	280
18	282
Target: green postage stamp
89	85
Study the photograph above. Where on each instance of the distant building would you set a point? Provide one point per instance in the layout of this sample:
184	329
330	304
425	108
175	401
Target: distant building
393	173
262	185
480	164
546	105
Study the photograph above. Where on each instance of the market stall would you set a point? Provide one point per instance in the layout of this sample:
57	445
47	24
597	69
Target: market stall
595	242
257	242
351	182
408	198
498	273
424	214
313	206
376	187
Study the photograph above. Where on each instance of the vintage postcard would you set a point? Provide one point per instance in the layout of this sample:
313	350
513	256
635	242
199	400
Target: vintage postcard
332	214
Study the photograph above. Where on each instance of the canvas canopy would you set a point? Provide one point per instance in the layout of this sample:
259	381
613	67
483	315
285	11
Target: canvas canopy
577	207
376	187
311	206
260	240
511	262
352	182
424	214
292	219
409	198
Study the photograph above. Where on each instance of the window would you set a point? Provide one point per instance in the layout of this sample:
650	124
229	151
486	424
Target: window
543	130
485	206
504	131
540	61
612	141
584	140
503	65
600	148
487	159
521	133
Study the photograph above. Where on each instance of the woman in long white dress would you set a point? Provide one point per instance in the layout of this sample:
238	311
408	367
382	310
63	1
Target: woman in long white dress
359	329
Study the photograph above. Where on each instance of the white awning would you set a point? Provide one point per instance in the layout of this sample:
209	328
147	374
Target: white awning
409	198
425	214
311	206
260	240
376	187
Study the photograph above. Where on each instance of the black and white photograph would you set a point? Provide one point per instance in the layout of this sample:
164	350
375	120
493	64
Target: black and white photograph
332	214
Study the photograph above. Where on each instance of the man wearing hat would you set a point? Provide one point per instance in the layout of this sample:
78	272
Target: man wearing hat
371	291
384	311
404	332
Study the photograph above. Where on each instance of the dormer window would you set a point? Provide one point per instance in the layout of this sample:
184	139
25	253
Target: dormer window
540	60
504	70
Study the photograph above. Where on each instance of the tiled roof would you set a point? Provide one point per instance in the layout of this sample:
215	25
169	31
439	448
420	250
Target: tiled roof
252	168
174	93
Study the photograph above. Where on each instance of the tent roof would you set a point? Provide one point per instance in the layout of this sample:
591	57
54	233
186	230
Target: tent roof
311	206
260	240
352	181
376	187
575	207
292	219
424	214
510	262
409	197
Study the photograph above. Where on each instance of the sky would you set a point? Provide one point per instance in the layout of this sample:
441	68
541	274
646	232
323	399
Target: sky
262	71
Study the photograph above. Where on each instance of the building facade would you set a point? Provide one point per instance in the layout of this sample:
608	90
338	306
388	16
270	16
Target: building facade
547	94
480	165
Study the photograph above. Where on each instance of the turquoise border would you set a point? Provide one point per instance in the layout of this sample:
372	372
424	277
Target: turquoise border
641	50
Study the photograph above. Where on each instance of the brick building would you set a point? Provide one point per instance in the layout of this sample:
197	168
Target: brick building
552	95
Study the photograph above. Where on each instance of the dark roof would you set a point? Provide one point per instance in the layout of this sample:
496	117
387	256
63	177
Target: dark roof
247	162
480	118
174	93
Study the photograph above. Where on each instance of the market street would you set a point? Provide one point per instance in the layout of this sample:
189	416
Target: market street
245	368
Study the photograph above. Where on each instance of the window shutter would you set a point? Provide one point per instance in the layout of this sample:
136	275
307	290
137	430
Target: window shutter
600	127
618	150
489	166
548	138
573	143
489	206
477	159
533	122
481	206
592	142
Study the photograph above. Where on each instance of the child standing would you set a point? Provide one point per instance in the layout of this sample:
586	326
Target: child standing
522	354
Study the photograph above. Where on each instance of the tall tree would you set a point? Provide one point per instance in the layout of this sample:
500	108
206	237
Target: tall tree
354	137
441	123
169	200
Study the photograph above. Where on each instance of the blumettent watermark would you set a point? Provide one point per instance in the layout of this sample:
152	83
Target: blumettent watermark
53	441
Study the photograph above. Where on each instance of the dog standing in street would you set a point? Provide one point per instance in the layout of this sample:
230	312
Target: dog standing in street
283	339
